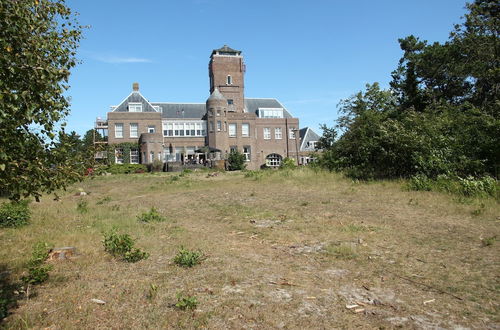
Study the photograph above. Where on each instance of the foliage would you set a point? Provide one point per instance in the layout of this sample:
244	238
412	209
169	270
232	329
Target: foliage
14	214
467	187
236	161
151	216
126	168
122	246
288	163
38	272
156	166
186	302
187	258
82	206
125	146
38	42
439	117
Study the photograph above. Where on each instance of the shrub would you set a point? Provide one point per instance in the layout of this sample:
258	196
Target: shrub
14	214
126	168
186	302
420	182
37	271
151	216
187	258
471	187
236	161
156	166
122	246
288	163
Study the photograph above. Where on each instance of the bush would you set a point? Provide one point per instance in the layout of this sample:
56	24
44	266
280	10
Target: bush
156	166
288	163
82	206
151	216
187	258
14	214
37	271
236	161
122	246
420	182
126	168
471	187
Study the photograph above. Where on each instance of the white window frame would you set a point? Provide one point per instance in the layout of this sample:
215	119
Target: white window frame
229	80
119	160
134	153
267	133
245	132
134	133
271	113
232	127
134	107
247	153
291	133
119	130
219	126
278	134
274	160
151	129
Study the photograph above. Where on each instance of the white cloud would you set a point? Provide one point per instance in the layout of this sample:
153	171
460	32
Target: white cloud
118	60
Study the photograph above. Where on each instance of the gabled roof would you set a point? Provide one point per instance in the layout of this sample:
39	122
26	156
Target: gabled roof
181	110
216	95
253	105
135	97
307	135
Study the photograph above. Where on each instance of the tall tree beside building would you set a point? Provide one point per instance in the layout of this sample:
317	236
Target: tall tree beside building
38	42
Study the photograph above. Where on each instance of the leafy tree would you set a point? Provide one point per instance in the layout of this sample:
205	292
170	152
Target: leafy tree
236	161
38	42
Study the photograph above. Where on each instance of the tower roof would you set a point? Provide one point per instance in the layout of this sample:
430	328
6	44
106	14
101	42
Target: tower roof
216	95
226	50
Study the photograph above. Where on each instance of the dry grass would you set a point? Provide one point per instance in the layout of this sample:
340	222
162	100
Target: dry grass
281	249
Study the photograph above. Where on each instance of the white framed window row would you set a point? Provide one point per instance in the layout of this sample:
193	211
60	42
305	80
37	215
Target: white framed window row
271	113
134	107
192	128
134	130
134	156
232	130
119	130
245	130
267	133
278	135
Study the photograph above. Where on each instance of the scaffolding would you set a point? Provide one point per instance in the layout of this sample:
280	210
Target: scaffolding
100	139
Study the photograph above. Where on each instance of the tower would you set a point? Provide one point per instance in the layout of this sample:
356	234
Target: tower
226	71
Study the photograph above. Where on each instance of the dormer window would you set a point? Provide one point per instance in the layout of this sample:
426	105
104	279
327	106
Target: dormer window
134	107
229	80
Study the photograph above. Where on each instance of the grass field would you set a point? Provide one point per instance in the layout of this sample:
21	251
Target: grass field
282	249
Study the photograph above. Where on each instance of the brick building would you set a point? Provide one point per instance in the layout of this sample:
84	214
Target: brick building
262	129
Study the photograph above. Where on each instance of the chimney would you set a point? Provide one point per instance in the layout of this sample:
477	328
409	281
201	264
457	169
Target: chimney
135	87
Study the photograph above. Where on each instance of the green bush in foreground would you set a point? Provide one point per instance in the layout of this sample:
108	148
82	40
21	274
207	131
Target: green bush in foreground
186	302
467	187
151	216
37	271
122	246
14	214
126	168
187	258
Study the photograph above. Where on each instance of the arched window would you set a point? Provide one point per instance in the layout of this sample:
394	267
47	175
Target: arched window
273	160
229	80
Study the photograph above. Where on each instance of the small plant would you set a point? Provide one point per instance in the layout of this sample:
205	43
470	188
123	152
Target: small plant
341	251
156	166
103	200
186	302
187	258
151	216
185	172
488	241
174	178
479	210
14	214
82	206
115	208
37	271
152	292
122	246
304	204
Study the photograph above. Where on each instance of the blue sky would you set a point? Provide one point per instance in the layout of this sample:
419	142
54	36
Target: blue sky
307	54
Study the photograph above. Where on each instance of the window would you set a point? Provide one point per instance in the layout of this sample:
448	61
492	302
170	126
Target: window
119	155
134	156
246	153
192	129
218	113
277	133
168	129
151	129
229	80
211	126
134	130
233	149
151	156
271	113
232	130
292	133
229	101
118	131
311	144
134	107
273	160
267	133
189	129
245	130
219	126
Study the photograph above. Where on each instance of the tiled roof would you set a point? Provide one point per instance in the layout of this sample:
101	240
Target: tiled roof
135	97
307	135
253	105
181	110
226	49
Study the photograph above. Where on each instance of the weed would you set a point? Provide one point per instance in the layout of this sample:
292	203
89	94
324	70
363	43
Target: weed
185	172
479	210
352	228
256	175
186	301
115	208
489	241
341	251
472	187
151	216
122	246
103	200
304	203
82	206
14	214
187	258
174	178
37	271
152	292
